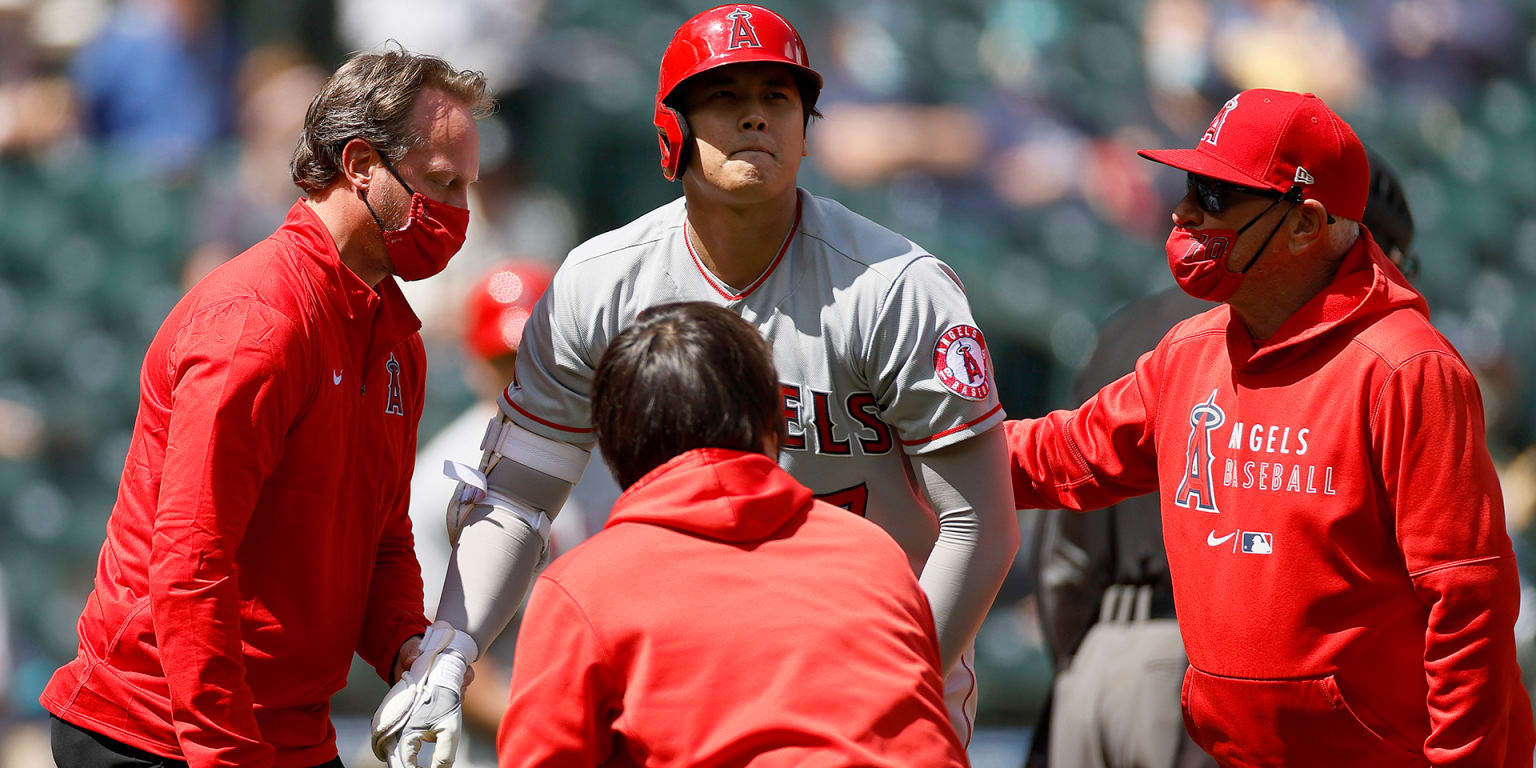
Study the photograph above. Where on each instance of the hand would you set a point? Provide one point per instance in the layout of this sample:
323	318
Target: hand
409	651
406	656
425	705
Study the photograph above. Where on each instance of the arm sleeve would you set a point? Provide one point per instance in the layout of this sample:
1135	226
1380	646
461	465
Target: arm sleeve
564	693
929	366
490	571
236	389
1441	483
394	610
493	564
967	485
1091	457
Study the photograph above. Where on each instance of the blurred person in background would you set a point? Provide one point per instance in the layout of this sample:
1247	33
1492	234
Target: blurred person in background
698	627
260	536
498	306
244	197
1105	596
887	388
37	103
156	82
1255	42
1334	528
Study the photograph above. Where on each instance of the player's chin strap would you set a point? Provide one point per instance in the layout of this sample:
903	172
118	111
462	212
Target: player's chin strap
425	705
532	482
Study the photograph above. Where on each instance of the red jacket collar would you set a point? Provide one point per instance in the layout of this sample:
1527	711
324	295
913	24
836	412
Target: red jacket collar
384	305
716	493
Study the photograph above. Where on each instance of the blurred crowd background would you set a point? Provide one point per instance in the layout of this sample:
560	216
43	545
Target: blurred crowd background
143	142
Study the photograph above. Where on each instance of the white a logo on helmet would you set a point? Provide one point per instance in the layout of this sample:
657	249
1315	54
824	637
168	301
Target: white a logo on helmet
960	360
1213	133
742	33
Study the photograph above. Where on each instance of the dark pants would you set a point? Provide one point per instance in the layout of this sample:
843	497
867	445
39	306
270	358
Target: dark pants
75	747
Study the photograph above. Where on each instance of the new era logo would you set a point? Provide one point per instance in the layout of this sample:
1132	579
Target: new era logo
1302	177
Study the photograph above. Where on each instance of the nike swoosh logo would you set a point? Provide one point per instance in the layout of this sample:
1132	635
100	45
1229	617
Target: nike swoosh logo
1210	538
336	377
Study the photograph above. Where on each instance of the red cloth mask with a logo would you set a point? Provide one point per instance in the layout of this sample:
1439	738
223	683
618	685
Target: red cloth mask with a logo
1198	260
1198	257
431	236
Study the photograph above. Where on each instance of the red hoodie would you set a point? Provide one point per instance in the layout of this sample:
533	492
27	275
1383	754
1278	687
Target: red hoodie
260	534
1335	530
725	618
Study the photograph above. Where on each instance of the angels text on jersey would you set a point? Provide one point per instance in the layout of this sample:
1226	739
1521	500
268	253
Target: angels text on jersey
1267	457
836	424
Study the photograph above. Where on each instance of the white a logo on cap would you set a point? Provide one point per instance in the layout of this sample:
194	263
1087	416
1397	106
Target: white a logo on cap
1302	177
1214	131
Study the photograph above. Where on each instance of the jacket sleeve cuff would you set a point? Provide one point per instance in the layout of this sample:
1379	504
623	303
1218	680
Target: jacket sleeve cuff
379	648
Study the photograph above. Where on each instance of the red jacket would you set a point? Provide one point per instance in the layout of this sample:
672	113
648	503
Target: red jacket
260	534
1334	527
725	618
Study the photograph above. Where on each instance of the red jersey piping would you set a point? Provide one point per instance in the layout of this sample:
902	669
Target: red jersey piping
715	283
952	430
545	422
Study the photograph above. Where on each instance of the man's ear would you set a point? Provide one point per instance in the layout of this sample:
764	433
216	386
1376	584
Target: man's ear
357	159
1311	227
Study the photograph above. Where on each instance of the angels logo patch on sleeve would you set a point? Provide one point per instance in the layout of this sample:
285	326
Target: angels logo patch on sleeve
960	360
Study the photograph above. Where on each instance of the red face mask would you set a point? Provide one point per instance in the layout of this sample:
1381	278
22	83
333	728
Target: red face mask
431	236
1198	258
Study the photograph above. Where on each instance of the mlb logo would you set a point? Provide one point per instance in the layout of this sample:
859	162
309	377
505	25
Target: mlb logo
1256	543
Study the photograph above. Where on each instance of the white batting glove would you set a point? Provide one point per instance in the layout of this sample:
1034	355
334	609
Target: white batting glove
425	704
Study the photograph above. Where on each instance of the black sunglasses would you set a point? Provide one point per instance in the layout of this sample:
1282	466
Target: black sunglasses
1212	195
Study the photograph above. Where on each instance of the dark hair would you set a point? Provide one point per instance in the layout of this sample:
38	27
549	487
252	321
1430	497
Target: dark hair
684	376
370	98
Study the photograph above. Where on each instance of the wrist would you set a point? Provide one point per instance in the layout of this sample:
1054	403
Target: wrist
448	670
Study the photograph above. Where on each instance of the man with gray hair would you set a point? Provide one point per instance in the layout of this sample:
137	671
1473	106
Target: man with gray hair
1344	584
260	535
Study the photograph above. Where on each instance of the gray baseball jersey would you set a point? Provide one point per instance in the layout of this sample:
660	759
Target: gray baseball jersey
876	351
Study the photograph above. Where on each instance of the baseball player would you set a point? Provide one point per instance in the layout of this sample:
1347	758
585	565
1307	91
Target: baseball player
886	385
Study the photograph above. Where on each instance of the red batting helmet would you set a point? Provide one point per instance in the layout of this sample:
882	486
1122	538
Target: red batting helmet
728	34
500	304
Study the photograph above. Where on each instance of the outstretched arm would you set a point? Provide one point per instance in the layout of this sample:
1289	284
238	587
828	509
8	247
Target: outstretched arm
1091	457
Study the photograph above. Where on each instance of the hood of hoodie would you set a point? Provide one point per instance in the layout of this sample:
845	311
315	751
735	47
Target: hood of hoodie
1367	286
717	493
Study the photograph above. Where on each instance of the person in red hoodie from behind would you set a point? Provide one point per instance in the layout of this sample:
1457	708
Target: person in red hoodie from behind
1335	531
723	616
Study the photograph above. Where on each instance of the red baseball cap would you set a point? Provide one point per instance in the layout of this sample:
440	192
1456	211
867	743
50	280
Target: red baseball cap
1279	140
500	304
